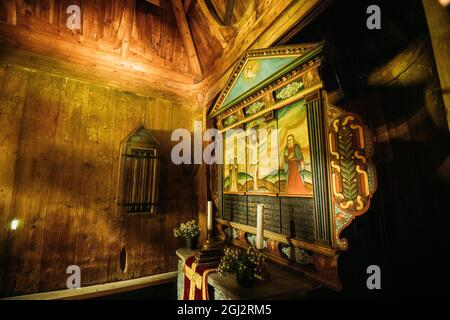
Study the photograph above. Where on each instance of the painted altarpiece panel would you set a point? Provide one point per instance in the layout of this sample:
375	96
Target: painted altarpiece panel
313	178
234	168
262	155
295	172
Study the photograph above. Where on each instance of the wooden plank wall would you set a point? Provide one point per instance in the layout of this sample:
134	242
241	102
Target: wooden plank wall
59	151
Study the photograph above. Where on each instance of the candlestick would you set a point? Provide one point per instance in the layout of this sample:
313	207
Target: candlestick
259	226
209	228
210	216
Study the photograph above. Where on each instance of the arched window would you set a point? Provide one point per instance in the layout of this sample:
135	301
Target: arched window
138	180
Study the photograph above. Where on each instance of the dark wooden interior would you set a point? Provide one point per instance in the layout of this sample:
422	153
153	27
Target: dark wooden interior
68	98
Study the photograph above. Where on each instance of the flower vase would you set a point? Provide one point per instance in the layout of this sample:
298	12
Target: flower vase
191	243
244	280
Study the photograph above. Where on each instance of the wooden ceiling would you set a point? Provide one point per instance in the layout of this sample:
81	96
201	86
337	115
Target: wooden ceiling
177	49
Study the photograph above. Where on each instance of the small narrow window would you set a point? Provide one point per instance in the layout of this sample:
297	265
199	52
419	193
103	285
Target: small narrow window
138	183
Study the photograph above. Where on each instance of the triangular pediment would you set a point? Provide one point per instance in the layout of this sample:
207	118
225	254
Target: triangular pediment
255	69
142	137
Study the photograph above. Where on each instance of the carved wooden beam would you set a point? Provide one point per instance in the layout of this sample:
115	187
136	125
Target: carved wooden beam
186	36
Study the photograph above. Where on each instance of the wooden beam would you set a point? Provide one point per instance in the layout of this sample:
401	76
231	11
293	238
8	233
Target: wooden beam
101	289
11	12
51	12
187	5
164	4
309	17
127	27
269	28
66	56
439	27
215	27
186	36
38	8
228	12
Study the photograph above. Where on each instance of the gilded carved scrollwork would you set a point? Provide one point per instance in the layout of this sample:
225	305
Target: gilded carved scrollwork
353	176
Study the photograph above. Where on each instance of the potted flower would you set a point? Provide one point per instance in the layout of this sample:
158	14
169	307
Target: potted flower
189	231
245	264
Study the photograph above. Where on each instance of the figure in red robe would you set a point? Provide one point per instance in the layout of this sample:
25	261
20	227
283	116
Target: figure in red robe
294	167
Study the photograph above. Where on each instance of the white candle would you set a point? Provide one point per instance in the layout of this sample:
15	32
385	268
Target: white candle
210	216
259	226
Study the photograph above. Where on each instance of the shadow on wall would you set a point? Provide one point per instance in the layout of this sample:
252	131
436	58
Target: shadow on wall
410	206
405	230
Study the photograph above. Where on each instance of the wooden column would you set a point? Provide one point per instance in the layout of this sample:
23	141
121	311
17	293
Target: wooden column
51	13
11	12
127	21
439	26
317	136
186	35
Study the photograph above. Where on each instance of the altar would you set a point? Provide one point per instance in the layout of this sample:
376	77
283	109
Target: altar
281	285
296	169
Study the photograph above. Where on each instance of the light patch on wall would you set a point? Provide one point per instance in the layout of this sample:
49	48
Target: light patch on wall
444	3
14	224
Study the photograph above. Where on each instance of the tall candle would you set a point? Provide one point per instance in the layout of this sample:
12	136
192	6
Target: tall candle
259	226
210	216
